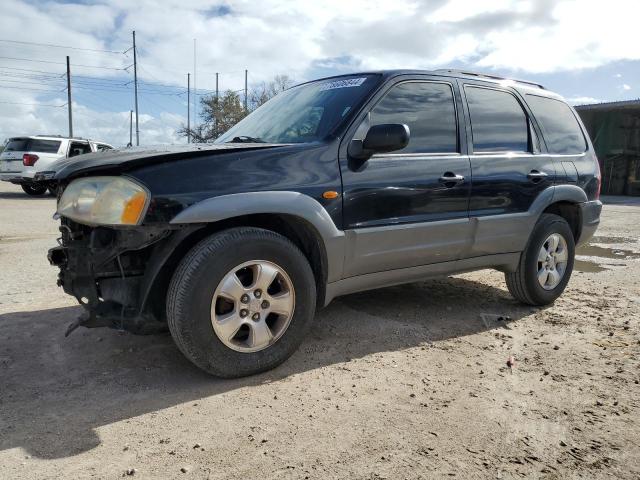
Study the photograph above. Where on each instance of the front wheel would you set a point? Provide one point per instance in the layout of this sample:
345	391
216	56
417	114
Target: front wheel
241	302
546	264
34	189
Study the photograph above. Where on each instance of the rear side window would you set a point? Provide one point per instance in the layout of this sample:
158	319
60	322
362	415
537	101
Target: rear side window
32	145
498	123
559	125
428	109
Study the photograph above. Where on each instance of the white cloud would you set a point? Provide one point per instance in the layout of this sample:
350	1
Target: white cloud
299	37
626	87
582	100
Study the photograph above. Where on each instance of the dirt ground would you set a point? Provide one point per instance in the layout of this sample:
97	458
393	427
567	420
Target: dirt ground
404	382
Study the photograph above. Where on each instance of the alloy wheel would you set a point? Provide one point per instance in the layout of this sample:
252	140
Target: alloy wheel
252	306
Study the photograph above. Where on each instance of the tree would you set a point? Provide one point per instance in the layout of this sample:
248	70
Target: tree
218	116
265	91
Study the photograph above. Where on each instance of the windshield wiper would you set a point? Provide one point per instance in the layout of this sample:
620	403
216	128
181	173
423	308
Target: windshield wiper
245	139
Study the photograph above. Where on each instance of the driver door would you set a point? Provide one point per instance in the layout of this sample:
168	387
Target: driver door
410	207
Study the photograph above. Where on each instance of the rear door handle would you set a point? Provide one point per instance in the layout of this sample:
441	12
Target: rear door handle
450	179
536	176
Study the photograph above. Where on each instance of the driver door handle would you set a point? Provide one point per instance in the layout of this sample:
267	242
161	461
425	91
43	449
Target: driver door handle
536	176
450	179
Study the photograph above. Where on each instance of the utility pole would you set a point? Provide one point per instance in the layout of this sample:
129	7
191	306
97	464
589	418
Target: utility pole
188	108
195	91
69	98
246	74
130	128
135	86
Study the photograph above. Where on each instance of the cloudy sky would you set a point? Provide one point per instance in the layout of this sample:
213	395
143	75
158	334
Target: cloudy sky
584	49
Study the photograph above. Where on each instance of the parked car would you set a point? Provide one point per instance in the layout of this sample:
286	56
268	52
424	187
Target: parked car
24	159
334	186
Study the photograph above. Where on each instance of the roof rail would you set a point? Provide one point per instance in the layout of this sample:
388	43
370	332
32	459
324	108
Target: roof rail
61	136
486	75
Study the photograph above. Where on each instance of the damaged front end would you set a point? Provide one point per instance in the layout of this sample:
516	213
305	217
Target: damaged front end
114	273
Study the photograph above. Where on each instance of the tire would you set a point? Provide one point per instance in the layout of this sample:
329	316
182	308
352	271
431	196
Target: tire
193	301
53	191
525	283
34	189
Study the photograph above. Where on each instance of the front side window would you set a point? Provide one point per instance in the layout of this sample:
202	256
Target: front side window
560	128
498	123
429	111
79	148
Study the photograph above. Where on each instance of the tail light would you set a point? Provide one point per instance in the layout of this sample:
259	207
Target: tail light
29	159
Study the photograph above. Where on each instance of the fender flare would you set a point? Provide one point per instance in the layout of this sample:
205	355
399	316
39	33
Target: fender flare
291	203
557	193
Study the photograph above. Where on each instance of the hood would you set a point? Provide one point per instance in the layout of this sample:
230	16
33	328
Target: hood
117	161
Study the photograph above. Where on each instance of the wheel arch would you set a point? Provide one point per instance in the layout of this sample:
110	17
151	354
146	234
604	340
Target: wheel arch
295	216
563	200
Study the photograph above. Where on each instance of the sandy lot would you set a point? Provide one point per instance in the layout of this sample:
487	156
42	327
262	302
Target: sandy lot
404	382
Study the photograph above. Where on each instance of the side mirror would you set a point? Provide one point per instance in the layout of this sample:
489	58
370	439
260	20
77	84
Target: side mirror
383	138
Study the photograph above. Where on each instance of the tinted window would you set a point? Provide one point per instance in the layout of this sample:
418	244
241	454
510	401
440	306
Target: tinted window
32	145
559	125
17	145
428	110
101	146
498	122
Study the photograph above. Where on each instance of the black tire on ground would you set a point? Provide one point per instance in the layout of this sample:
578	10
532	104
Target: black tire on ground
53	191
34	189
194	282
523	284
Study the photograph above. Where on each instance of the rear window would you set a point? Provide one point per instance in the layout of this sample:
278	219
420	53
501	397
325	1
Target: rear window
498	123
560	128
32	145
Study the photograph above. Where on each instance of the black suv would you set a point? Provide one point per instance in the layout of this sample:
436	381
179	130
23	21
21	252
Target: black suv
334	186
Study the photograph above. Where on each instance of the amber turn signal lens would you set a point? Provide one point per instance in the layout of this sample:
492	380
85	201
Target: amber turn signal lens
133	209
330	194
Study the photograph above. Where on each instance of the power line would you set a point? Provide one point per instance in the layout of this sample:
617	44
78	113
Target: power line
34	89
61	46
35	104
61	63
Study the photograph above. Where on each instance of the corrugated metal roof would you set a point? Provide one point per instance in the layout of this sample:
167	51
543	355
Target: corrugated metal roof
610	105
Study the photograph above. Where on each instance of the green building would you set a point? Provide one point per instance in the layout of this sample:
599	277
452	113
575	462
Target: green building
614	129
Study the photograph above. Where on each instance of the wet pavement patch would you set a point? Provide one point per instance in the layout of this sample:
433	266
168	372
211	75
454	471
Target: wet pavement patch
587	255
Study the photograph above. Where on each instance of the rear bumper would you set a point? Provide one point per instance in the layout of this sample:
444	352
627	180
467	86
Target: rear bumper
12	177
590	219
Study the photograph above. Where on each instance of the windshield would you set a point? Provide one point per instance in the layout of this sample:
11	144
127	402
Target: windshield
306	113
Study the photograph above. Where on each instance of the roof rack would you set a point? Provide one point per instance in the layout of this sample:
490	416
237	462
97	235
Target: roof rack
486	75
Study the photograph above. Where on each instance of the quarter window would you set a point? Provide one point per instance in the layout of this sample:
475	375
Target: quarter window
428	109
498	123
560	128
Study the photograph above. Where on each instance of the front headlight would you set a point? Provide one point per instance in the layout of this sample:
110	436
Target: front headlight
104	201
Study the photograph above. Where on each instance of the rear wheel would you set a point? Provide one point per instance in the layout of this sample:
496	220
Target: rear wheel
34	189
546	264
241	302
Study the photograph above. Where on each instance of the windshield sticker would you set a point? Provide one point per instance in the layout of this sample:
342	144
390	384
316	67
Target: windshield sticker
350	82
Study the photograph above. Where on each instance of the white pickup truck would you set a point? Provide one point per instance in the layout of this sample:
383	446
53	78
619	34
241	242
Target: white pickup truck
23	158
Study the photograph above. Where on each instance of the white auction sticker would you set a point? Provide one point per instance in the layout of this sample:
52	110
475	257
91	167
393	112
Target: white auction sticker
349	82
